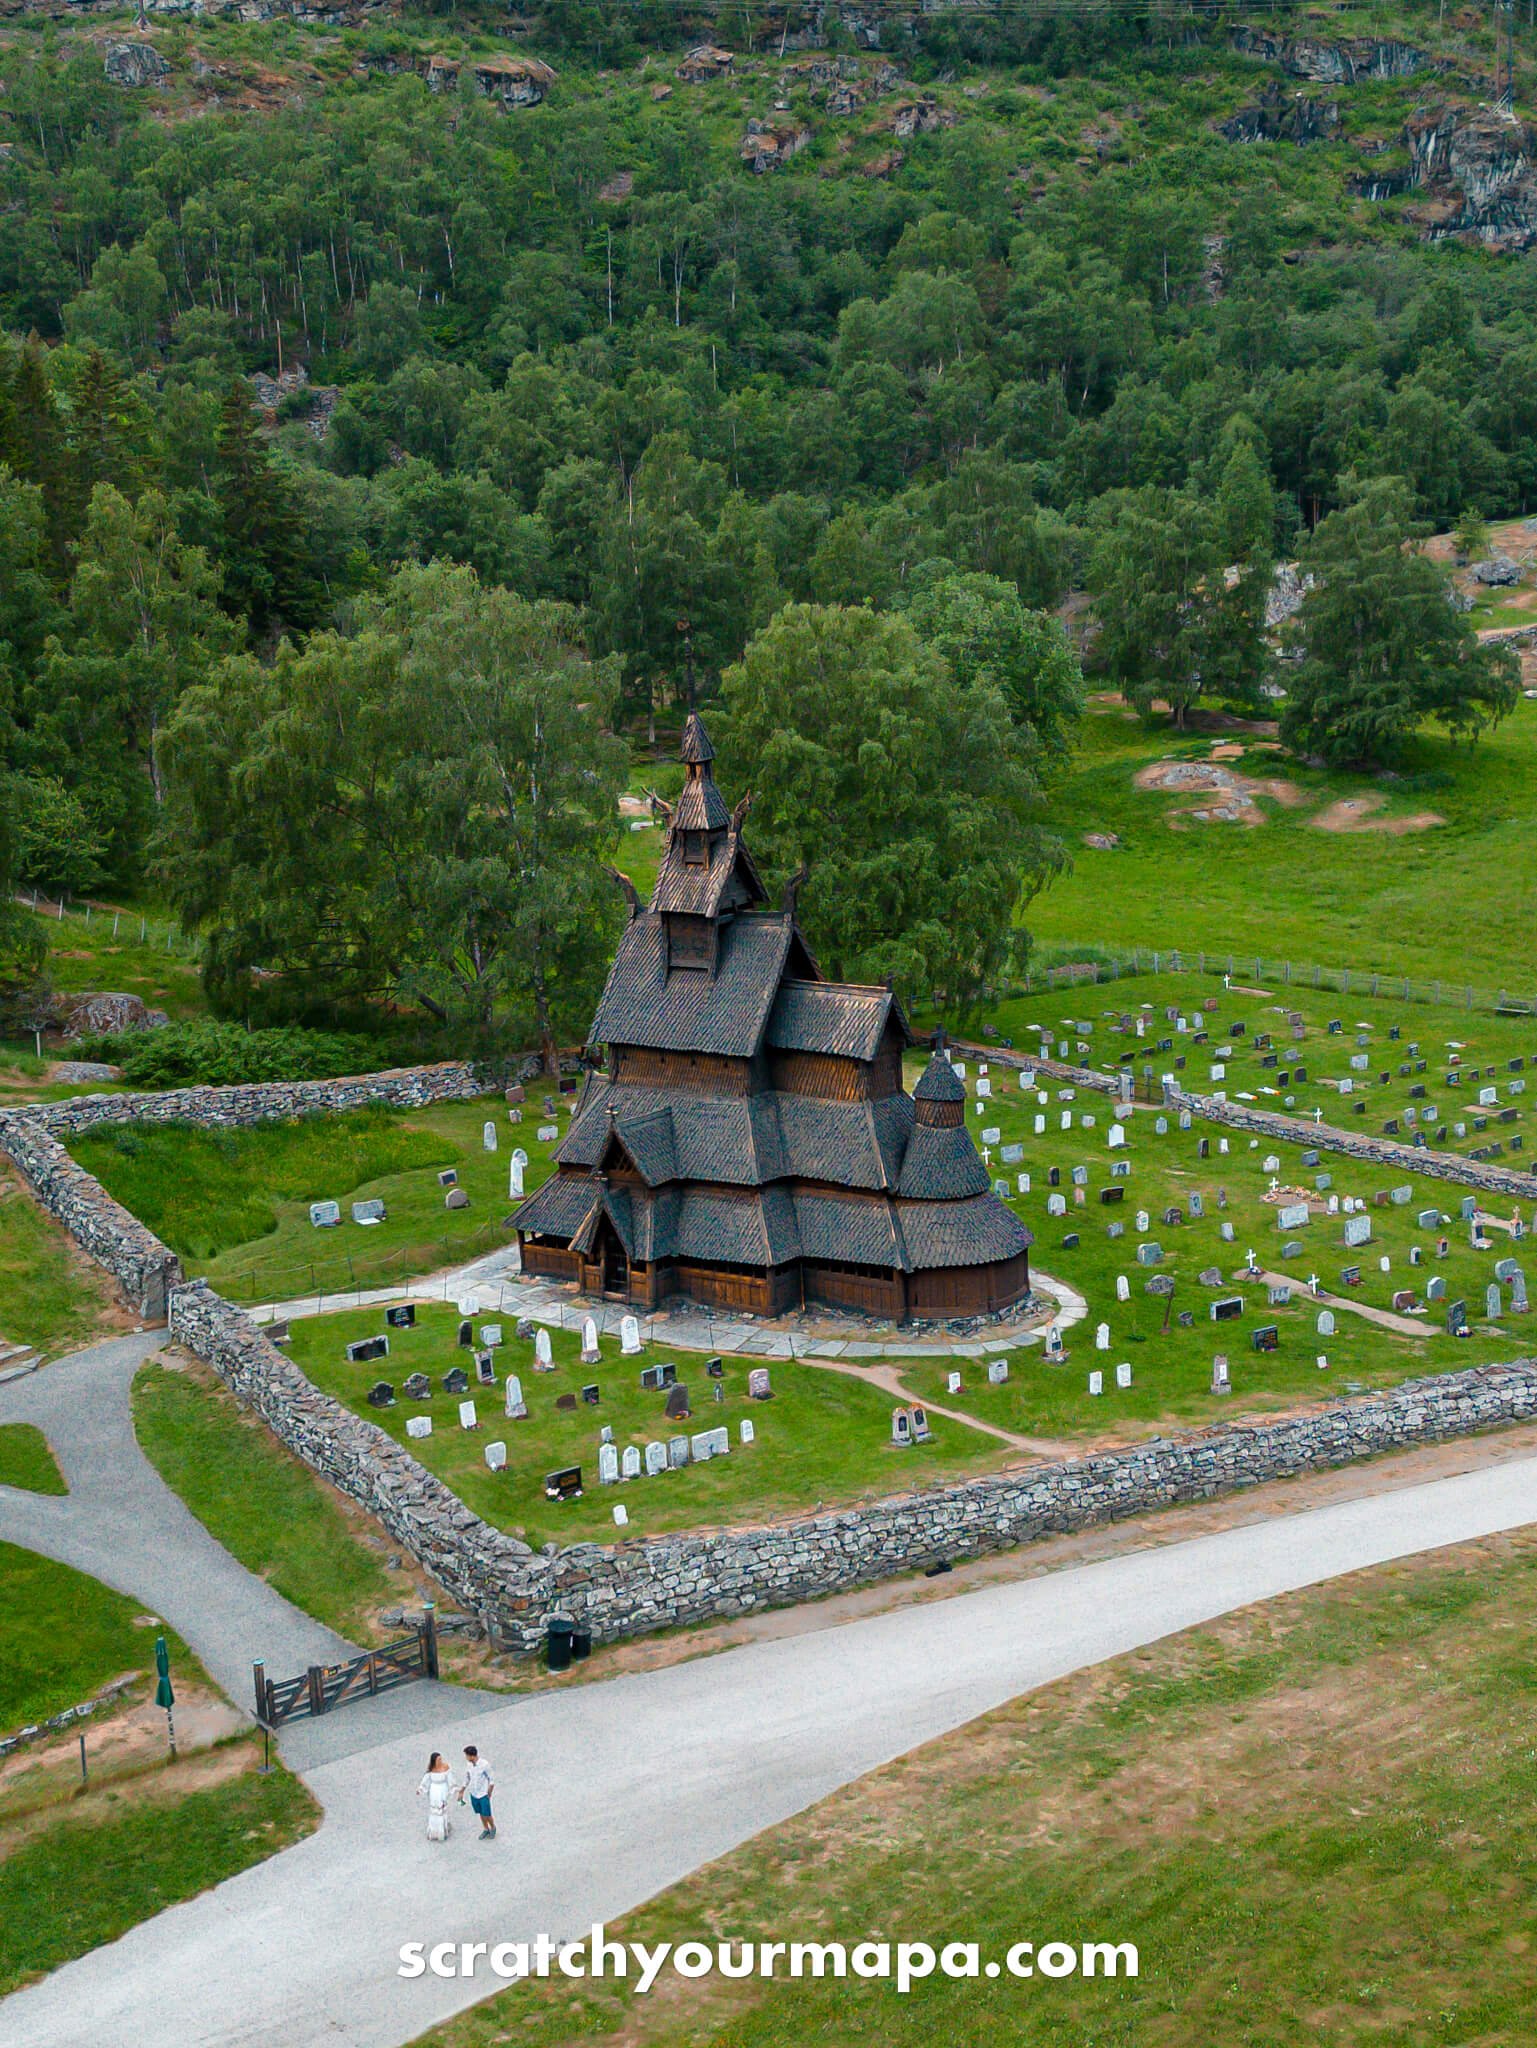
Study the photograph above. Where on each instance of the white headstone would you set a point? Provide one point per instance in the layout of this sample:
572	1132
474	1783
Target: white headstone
629	1462
1102	1337
621	1516
997	1372
745	1432
656	1459
1123	1376
952	1383
467	1417
418	1425
543	1362
496	1457
629	1336
488	1135
591	1355
514	1178
515	1404
1096	1382
1115	1137
1122	1287
608	1465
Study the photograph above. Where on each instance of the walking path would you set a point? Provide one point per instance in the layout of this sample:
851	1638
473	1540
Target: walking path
122	1524
613	1791
498	1285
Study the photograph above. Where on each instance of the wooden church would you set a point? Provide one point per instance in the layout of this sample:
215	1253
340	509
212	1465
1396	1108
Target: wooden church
749	1143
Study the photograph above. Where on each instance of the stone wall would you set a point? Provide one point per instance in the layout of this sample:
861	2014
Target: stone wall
257	1102
142	1266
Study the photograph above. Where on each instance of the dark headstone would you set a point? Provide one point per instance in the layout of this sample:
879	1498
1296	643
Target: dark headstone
677	1404
457	1381
381	1395
565	1484
402	1316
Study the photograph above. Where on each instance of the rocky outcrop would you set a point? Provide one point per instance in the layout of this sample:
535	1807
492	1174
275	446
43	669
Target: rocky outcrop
768	144
82	1015
1478	170
135	64
1330	63
1283	117
510	81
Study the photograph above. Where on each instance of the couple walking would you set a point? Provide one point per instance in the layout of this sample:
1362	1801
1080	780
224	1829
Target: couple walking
437	1783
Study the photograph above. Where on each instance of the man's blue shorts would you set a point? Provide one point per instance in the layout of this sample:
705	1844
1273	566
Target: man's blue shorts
481	1806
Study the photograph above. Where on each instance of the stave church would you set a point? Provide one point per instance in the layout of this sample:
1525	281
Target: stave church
748	1142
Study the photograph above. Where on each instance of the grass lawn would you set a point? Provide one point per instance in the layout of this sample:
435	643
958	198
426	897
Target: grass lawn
128	1853
26	1461
823	1437
1303	1815
235	1204
85	954
267	1509
64	1636
1441	903
51	1296
1171	1368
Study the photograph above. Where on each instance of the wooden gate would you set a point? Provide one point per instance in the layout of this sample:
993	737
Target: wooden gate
325	1686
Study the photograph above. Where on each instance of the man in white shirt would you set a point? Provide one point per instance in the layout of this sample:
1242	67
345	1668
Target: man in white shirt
478	1786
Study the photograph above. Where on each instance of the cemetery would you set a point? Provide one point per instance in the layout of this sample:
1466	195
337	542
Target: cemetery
820	1436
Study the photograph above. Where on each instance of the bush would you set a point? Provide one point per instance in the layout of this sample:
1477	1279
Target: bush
179	1055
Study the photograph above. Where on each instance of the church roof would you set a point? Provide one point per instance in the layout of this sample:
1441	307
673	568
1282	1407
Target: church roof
833	1017
939	1082
696	748
941	1163
974	1233
689	1011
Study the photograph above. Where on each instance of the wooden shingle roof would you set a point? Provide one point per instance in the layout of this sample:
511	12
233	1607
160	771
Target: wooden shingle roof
724	1012
833	1017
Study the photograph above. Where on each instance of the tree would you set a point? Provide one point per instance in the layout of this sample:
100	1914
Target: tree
987	636
1470	536
419	812
1177	620
907	793
1382	646
21	936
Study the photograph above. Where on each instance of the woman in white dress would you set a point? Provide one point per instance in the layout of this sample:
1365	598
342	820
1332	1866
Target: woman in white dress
437	1782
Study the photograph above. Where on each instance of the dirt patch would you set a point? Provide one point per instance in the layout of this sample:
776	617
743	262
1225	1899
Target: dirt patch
1236	795
1359	814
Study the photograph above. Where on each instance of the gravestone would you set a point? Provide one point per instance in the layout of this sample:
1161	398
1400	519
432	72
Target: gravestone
1220	1383
1056	1205
758	1386
952	1383
591	1355
402	1316
456	1198
590	1394
548	1133
1358	1230
1123	1377
417	1387
490	1335
1211	1276
485	1369
496	1457
449	1177
418	1425
369	1212
1266	1338
677	1453
1080	1176
381	1395
1405	1299
1435	1287
1505	1271
656	1458
1225	1232
677	1409
566	1484
467	1416
901	1427
543	1361
1196	1204
1149	1254
997	1372
364	1349
1294	1216
514	1181
1456	1318
1096	1382
325	1215
488	1135
513	1402
629	1336
921	1430
629	1462
1518	1300
1228	1309
1280	1296
711	1443
1122	1287
1325	1322
746	1433
1494	1301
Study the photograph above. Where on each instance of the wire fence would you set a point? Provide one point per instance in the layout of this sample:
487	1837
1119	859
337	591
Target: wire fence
340	1277
132	925
1253	967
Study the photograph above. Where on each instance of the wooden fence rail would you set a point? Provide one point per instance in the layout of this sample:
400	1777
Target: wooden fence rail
323	1687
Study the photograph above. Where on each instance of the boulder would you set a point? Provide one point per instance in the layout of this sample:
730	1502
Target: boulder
99	1015
135	64
1499	569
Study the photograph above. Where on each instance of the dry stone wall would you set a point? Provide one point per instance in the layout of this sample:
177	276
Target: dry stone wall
664	1582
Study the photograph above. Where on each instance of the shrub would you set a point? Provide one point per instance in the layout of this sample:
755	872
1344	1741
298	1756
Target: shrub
179	1055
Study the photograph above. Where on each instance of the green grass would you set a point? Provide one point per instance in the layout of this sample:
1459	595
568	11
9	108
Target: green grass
1440	903
49	1296
1301	1815
266	1508
64	1636
26	1461
84	955
823	1437
235	1204
87	1879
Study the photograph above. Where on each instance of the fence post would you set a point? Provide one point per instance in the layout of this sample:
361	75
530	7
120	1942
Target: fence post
259	1674
430	1638
317	1685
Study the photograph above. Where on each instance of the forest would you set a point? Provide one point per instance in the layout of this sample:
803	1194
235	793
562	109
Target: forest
379	463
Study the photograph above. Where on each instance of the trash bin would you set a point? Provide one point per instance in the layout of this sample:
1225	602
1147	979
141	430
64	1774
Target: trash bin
581	1643
558	1642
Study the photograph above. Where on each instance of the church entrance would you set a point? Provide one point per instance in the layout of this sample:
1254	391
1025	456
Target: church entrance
615	1263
